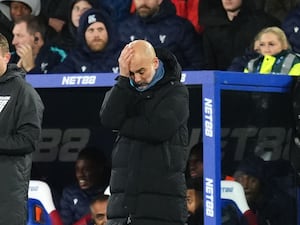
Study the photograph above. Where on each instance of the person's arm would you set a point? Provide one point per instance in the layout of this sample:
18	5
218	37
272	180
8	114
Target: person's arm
117	101
161	123
65	211
27	132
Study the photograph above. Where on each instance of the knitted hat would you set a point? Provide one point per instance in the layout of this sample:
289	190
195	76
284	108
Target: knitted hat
92	16
253	166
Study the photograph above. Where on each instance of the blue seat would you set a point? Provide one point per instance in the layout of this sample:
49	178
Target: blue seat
41	209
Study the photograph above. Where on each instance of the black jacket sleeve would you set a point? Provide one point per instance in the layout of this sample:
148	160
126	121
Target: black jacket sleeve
29	111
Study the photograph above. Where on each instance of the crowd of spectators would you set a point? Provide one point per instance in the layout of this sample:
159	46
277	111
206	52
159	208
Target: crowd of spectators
201	34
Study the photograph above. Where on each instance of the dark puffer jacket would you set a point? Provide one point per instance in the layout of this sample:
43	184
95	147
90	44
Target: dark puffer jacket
21	112
166	30
149	157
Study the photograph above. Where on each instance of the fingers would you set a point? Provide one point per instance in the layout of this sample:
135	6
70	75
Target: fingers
124	60
24	50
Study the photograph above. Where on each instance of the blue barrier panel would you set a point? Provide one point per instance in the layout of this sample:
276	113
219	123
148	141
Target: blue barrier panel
212	82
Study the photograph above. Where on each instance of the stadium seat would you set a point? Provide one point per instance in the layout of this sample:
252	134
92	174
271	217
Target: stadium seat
41	209
234	192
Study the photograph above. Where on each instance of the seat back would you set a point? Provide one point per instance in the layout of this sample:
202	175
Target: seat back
41	209
234	191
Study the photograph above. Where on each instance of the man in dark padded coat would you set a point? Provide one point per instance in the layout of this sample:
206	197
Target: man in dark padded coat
149	107
21	112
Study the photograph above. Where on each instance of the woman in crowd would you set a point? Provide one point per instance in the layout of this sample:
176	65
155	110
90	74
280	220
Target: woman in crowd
276	56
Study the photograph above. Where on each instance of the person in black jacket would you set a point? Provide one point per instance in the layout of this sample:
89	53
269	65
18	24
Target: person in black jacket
231	31
21	111
157	22
149	107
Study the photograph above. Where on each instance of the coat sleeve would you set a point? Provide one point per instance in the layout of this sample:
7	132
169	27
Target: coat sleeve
29	111
115	105
161	122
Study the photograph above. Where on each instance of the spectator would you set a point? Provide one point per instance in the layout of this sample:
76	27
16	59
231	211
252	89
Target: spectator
98	46
279	8
120	9
91	182
22	8
33	53
12	10
195	202
224	38
67	37
291	27
187	9
54	12
276	57
21	112
149	108
5	23
157	22
270	205
240	63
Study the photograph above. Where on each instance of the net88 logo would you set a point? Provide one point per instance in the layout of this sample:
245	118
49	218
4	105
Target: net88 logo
61	145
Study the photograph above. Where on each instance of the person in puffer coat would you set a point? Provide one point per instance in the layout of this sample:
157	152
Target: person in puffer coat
21	112
149	107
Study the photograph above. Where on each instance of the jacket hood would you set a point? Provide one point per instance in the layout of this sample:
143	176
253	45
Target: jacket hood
92	16
166	9
35	5
71	27
5	10
172	67
12	71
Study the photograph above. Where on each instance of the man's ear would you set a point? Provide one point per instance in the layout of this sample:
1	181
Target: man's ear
7	57
37	37
155	62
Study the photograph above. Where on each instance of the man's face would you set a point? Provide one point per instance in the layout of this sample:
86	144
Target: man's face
19	9
195	166
251	185
145	8
232	5
96	37
4	59
269	44
22	36
142	70
78	9
194	200
86	173
98	212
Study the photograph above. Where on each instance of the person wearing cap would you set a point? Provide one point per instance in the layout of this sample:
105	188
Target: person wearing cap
270	205
97	47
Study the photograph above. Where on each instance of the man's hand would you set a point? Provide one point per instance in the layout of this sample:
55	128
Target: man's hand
124	60
26	57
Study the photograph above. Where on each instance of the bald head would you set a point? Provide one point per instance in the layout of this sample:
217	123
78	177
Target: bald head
143	62
143	49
